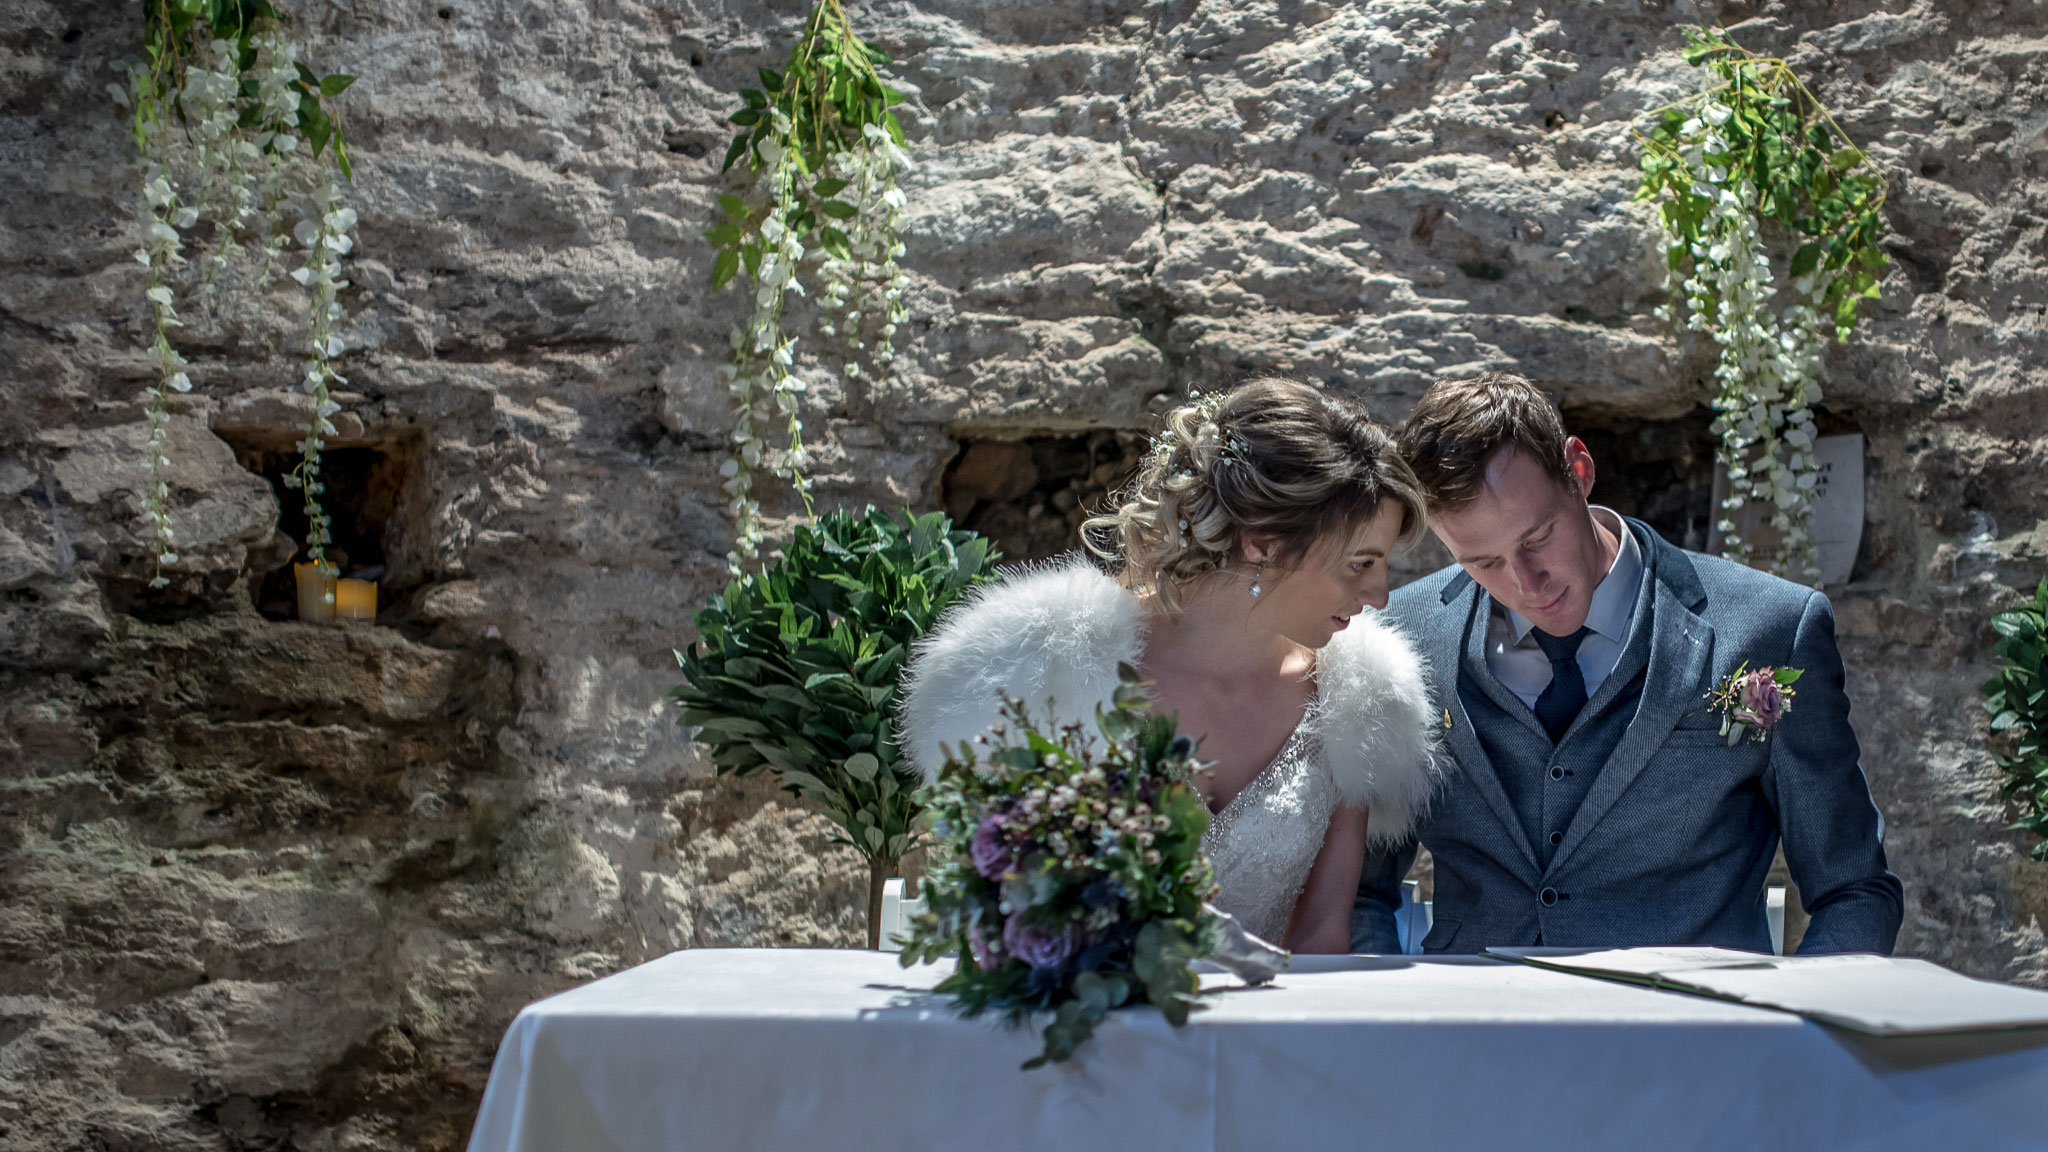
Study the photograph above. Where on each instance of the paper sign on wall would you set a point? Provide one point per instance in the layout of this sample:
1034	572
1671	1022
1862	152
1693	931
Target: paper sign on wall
1837	509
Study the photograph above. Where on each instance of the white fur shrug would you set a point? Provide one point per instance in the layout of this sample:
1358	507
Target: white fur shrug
1053	636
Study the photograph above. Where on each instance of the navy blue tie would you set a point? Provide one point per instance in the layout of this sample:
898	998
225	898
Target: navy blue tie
1566	693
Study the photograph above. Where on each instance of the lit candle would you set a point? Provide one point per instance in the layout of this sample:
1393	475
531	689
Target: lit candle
316	590
355	599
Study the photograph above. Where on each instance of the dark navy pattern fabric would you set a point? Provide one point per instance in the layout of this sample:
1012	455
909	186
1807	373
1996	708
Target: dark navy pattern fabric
1566	693
1641	826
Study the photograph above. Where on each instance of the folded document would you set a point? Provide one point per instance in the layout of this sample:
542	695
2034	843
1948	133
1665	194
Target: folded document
1878	995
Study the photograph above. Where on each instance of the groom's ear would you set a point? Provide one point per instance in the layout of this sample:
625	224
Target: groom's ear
1579	460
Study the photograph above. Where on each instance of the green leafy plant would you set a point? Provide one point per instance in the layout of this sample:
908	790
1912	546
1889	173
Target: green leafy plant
2017	699
823	151
1071	878
236	133
1750	175
795	669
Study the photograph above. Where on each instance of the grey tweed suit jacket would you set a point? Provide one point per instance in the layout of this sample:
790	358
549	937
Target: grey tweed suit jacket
1673	831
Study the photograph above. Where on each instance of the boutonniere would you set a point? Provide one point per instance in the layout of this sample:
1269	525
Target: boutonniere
1752	703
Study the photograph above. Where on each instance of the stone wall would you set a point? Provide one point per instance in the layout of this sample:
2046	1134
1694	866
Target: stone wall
268	884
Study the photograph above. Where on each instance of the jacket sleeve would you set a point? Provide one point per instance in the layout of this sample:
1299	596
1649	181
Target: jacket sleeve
1373	927
1834	834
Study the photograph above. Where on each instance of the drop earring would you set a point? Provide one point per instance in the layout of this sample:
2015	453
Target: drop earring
1256	577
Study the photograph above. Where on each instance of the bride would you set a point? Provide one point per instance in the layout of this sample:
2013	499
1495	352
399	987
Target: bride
1245	552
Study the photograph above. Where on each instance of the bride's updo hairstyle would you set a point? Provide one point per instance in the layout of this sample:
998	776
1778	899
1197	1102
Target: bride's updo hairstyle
1269	458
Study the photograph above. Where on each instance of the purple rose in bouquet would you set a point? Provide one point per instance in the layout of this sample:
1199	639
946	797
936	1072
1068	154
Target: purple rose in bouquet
1760	701
991	856
1040	946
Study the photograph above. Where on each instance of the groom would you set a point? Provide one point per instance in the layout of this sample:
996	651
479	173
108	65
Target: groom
1594	801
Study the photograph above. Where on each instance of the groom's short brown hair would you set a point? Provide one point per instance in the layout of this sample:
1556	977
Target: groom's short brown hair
1459	425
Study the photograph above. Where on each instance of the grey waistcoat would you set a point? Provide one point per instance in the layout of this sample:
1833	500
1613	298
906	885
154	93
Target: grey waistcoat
1546	783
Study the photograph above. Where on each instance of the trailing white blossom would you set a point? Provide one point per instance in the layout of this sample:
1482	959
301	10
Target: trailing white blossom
1770	344
222	154
1751	169
278	142
823	151
220	146
160	253
866	292
323	233
861	297
760	376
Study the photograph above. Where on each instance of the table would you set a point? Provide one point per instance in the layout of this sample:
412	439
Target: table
769	1049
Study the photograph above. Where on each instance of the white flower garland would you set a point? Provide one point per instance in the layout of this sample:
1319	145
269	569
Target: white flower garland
869	286
324	233
763	356
858	294
160	253
1767	377
221	165
277	68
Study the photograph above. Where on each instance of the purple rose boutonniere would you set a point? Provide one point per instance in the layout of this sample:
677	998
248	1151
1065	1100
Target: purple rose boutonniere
1751	702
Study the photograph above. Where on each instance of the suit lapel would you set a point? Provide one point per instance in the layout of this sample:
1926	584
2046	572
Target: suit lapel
1679	645
1458	630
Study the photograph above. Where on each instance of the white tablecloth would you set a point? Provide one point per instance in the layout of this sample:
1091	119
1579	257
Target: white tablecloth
844	1050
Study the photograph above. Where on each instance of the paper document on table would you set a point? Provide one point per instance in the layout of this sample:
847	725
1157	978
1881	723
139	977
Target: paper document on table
1879	995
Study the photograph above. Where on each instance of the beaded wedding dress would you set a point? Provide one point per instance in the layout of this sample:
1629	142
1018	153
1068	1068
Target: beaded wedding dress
1265	840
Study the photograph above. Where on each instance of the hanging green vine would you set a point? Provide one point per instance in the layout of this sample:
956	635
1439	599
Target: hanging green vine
1750	175
824	151
235	133
2017	699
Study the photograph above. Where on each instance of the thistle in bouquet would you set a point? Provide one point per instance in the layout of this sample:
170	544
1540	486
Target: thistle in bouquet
1070	876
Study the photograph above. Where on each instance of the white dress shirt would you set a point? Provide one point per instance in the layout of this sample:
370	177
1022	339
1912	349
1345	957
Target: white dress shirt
1513	655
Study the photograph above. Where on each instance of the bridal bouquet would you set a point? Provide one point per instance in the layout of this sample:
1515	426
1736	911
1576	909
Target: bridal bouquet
1071	877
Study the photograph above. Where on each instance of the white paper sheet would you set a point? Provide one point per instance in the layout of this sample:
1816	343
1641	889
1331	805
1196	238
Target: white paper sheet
1878	995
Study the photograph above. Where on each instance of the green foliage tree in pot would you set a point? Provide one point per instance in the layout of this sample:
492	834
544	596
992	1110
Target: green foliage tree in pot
795	669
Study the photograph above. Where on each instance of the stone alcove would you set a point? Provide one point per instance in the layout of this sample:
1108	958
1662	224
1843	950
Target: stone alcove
368	474
1030	494
1659	471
